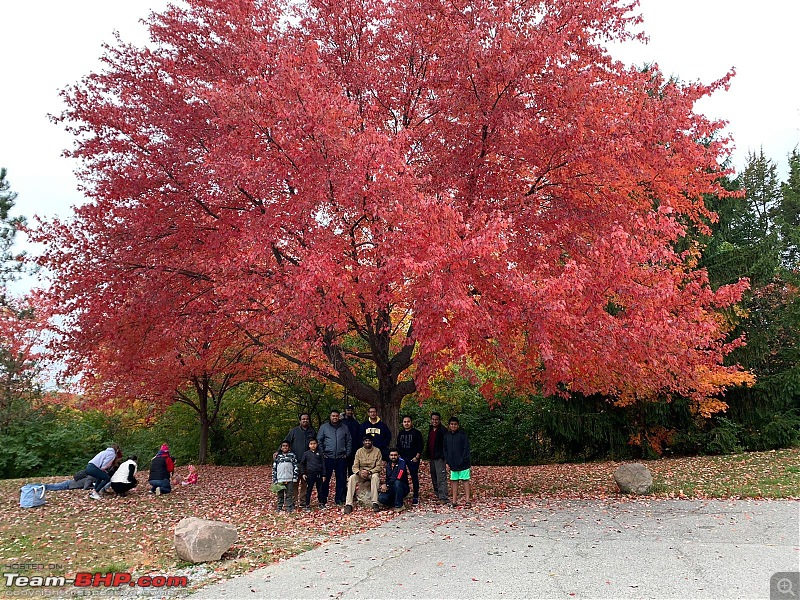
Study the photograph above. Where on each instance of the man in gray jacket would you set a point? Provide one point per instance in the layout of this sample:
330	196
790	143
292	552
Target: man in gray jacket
335	443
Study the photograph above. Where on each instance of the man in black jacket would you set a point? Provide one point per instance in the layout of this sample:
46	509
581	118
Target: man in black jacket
354	426
409	443
457	457
436	456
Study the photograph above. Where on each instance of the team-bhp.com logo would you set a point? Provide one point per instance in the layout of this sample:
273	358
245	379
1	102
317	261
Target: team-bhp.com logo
89	580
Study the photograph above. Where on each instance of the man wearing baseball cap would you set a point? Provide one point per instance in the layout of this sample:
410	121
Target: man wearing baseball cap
355	432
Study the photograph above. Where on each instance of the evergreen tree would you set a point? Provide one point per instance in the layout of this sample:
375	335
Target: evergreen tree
18	367
788	215
756	237
10	265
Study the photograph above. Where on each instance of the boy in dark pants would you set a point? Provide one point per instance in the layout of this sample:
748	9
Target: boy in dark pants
409	444
312	466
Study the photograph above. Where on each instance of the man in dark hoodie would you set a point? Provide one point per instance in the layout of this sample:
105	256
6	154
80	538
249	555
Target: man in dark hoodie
354	426
380	432
335	443
436	456
457	457
409	444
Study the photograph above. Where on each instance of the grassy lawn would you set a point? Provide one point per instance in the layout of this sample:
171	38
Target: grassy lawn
73	533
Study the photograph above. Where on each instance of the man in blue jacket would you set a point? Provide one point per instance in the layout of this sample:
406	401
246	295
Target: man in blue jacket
335	444
395	488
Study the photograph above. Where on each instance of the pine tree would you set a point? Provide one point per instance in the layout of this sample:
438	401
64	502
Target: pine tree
788	215
10	265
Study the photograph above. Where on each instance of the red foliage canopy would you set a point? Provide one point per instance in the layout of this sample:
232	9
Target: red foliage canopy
402	182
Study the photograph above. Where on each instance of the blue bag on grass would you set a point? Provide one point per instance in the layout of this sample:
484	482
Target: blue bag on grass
31	494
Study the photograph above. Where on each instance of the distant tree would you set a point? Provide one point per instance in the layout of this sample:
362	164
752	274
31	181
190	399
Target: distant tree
18	364
372	191
788	215
759	180
10	264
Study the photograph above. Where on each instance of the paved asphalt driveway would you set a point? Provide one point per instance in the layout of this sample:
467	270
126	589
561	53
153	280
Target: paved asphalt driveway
567	549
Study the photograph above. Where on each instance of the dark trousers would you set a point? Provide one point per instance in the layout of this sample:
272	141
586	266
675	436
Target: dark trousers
395	494
413	470
121	488
101	476
286	496
313	479
337	466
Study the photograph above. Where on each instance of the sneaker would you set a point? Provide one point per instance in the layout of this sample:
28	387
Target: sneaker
308	509
93	494
415	501
398	509
348	509
158	491
323	506
376	507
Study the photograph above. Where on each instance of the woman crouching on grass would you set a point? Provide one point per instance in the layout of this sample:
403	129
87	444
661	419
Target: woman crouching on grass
124	478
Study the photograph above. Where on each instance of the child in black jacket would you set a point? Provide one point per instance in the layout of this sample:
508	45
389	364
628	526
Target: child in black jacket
312	466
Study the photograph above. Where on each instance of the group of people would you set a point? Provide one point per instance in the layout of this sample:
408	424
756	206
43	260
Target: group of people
308	459
108	470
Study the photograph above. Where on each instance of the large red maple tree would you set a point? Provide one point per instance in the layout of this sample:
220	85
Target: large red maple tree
374	189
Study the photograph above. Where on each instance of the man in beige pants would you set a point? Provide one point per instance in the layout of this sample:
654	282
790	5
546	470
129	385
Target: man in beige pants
367	467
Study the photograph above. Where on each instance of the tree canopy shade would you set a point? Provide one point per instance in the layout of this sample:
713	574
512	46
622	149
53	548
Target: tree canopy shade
372	190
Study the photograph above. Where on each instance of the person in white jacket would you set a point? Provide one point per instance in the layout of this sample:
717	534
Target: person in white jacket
124	478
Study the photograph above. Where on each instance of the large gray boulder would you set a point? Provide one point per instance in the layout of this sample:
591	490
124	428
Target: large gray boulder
633	478
201	540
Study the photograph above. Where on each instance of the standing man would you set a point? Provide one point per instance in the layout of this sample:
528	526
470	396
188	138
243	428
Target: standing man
355	434
436	456
380	432
409	444
298	438
366	468
457	457
395	488
335	443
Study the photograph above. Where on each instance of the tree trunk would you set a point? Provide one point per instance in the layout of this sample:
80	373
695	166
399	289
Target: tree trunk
203	454
205	422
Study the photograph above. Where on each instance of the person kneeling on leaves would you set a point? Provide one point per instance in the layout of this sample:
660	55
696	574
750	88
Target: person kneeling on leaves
124	478
395	488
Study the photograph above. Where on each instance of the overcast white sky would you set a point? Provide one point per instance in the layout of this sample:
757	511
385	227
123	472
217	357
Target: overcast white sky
48	44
